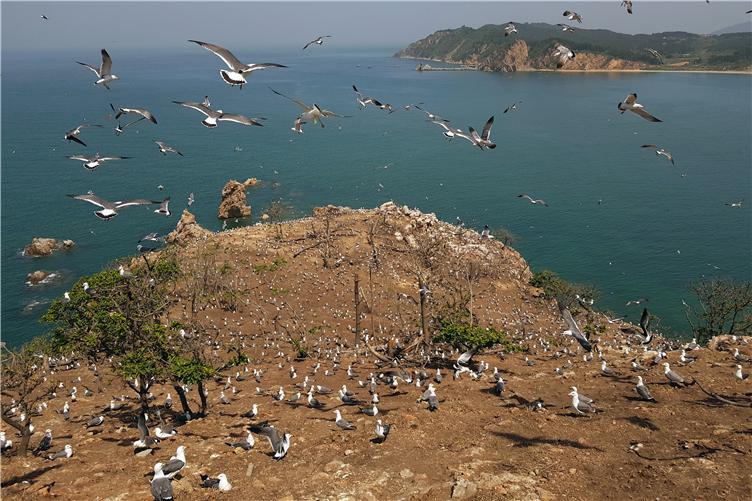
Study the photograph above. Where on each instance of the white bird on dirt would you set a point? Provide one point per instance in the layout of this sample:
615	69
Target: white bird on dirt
674	378
578	404
738	373
643	391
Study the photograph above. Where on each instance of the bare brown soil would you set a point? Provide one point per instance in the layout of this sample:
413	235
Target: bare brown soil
476	446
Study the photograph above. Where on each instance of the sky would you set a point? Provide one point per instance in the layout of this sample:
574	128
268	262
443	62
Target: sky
137	24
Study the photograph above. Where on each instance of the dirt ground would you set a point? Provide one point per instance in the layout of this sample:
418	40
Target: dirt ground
477	445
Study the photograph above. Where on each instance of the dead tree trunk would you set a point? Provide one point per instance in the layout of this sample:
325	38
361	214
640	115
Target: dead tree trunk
357	308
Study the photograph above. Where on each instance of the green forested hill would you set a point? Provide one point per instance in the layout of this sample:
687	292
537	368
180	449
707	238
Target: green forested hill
727	51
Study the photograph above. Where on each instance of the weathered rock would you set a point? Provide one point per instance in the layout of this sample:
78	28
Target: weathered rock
463	489
187	230
233	199
35	277
46	246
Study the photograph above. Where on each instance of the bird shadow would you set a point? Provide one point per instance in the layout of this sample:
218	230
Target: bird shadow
30	476
642	422
117	441
521	441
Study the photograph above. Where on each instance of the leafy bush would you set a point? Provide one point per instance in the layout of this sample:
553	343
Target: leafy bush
190	370
274	266
563	291
461	335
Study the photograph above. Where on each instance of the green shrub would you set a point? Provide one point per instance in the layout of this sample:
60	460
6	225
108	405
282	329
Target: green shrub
461	335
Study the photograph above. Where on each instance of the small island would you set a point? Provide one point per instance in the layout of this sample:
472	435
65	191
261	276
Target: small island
488	49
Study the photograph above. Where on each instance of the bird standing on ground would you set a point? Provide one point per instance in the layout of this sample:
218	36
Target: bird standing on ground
643	391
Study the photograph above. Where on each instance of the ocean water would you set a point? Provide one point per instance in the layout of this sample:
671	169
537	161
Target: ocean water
653	232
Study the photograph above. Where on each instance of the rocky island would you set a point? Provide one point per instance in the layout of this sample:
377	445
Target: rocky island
380	302
488	49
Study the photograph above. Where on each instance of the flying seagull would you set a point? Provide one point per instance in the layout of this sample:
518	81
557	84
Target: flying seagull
628	5
165	148
630	104
164	208
238	70
575	331
310	113
483	140
563	53
636	301
364	101
110	209
432	117
121	128
738	204
138	111
512	107
104	72
44	17
656	55
280	445
660	152
212	116
161	486
572	16
509	29
318	41
72	135
532	200
566	27
92	162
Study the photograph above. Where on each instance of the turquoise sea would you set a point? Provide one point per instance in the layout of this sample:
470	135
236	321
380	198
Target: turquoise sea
619	217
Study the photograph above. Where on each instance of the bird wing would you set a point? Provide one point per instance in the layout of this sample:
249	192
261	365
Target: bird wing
104	159
142	429
263	66
487	128
225	55
196	106
241	119
270	432
299	103
106	68
645	321
644	114
92	68
161	488
309	43
649	146
82	158
93	199
162	145
72	137
474	134
630	99
144	113
172	466
138	201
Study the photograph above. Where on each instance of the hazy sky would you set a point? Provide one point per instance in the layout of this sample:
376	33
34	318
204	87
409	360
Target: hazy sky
353	24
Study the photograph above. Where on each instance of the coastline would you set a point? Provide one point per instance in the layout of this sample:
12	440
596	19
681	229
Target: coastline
600	70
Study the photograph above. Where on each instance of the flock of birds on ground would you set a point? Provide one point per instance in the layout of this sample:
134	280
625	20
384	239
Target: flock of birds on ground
305	392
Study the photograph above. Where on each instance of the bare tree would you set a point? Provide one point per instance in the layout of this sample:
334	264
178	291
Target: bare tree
725	307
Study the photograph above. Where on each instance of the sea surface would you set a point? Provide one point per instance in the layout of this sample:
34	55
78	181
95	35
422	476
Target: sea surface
619	217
